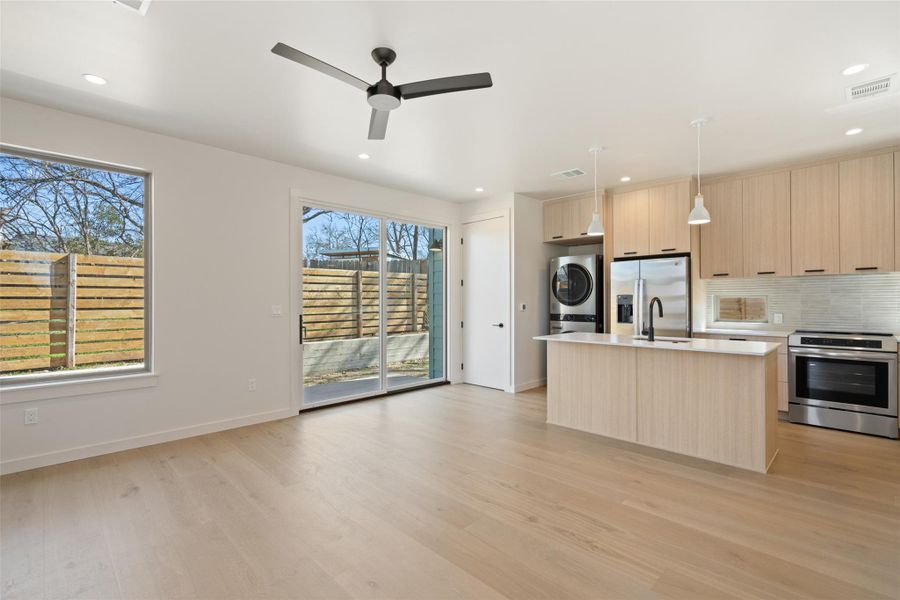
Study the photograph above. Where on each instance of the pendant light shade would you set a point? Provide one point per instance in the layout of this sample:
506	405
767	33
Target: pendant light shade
699	215
596	226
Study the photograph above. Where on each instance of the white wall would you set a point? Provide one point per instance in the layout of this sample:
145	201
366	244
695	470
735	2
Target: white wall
216	213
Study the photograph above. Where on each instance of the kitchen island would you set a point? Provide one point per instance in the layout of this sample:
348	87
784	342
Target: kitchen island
712	399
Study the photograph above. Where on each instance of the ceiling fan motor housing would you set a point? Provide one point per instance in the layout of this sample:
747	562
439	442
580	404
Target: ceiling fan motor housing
383	96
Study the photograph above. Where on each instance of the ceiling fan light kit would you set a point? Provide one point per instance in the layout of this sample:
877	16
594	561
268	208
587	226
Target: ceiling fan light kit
384	96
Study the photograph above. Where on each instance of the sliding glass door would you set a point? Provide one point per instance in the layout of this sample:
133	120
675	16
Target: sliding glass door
414	286
373	305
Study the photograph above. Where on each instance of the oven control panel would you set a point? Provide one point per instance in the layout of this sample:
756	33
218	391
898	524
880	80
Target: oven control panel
841	342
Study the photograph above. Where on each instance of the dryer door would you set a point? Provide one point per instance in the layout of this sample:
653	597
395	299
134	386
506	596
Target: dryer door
572	284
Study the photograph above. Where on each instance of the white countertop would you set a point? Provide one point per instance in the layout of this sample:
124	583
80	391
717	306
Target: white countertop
747	332
689	345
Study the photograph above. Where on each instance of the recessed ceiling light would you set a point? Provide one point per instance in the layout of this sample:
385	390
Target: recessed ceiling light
363	156
854	69
95	79
853	131
625	179
479	189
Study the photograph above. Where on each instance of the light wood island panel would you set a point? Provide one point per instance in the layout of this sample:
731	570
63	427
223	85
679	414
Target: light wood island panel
717	404
687	404
590	401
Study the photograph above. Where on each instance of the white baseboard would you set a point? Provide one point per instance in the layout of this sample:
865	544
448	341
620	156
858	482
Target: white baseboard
35	461
529	385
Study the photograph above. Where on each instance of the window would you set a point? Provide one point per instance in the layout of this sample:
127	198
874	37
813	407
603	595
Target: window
748	310
74	279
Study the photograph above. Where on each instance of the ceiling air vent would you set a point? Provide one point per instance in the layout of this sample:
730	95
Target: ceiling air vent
875	87
139	6
570	173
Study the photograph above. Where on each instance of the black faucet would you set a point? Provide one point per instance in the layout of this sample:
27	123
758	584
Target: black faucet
650	335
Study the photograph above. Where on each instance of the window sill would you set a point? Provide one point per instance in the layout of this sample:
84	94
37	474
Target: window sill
45	390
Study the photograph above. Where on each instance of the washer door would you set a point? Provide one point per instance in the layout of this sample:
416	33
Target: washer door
571	284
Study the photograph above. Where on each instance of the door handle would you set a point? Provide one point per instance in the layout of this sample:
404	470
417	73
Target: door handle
500	325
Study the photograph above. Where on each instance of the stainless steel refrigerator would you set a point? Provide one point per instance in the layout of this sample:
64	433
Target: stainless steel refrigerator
633	283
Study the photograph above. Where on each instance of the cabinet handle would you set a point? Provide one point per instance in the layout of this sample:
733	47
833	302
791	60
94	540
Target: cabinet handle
668	250
720	274
813	270
866	268
627	253
556	237
738	339
765	272
585	233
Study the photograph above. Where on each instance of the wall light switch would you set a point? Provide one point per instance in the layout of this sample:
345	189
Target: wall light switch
778	318
522	307
276	310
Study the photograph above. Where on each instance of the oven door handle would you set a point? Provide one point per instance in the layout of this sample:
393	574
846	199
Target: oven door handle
857	355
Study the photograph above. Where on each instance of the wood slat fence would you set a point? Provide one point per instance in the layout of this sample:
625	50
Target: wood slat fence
343	304
69	310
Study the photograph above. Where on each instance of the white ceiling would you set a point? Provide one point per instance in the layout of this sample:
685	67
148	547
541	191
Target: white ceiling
629	76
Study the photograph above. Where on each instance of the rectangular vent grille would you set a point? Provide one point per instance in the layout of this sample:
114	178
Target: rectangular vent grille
139	6
568	174
872	88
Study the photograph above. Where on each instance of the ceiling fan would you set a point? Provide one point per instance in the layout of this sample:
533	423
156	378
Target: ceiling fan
383	96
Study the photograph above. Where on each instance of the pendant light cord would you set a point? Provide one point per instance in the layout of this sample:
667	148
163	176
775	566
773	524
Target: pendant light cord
699	125
596	205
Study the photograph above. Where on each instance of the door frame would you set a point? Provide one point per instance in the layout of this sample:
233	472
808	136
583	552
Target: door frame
505	213
295	267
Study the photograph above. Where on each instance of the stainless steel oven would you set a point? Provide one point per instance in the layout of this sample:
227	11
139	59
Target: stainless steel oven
844	381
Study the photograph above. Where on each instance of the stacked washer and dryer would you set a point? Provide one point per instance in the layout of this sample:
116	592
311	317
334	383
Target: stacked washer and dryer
576	294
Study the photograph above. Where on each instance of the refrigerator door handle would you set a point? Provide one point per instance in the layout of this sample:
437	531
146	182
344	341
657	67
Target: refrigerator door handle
638	307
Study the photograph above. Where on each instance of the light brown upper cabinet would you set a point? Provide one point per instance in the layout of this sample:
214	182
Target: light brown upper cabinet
567	221
577	216
767	224
631	223
867	214
669	206
815	224
553	221
721	240
897	210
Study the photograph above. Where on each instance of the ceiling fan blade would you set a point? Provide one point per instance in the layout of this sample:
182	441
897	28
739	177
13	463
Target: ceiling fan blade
378	124
314	63
443	85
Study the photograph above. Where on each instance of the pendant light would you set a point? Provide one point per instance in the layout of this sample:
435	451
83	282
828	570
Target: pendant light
699	215
596	227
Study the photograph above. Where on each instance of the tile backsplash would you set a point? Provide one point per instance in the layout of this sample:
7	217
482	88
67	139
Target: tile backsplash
840	302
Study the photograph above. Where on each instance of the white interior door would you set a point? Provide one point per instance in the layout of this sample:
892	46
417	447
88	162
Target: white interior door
486	310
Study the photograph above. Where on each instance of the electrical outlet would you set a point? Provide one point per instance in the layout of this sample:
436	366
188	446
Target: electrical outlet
251	384
778	318
276	310
31	416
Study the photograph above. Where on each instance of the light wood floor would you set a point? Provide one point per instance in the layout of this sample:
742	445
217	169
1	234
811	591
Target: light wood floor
453	492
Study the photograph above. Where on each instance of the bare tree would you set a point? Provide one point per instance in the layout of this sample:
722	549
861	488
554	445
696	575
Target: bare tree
57	207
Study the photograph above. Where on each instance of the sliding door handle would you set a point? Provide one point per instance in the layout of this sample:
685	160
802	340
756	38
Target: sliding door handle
500	325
